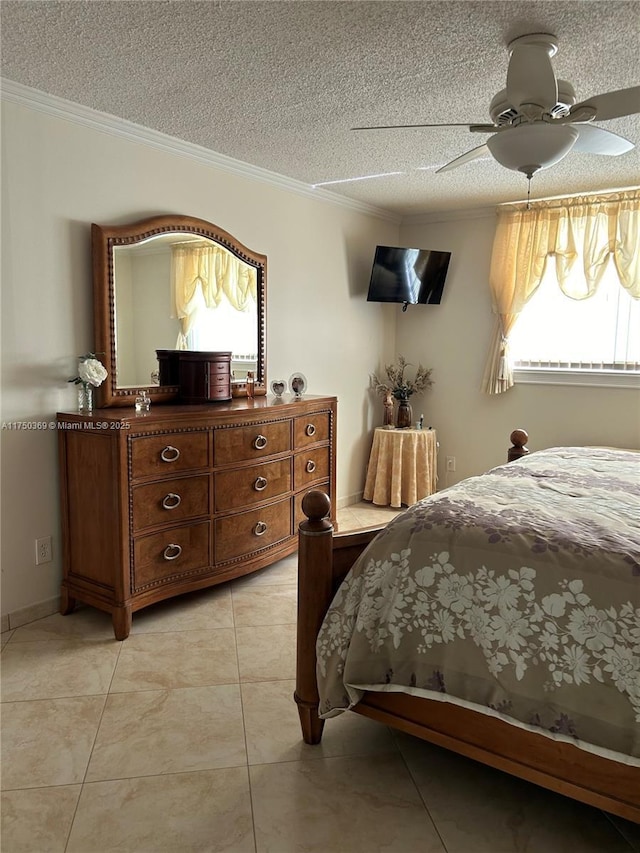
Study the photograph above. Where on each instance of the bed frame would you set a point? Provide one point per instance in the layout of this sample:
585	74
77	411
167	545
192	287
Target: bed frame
324	558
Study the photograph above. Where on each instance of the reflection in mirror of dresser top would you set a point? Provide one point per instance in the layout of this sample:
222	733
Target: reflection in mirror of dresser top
184	497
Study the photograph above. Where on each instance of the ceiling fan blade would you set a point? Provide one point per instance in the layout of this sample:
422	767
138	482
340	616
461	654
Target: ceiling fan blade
531	78
596	140
478	128
623	102
474	154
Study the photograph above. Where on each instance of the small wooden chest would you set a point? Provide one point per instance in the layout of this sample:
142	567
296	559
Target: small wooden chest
204	377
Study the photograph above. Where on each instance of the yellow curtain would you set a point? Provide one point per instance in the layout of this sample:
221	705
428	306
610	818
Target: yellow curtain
207	273
582	233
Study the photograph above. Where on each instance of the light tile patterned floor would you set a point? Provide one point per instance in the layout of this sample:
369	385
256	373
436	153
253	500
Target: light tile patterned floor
185	737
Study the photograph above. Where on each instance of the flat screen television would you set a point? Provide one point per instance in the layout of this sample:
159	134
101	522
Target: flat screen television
409	276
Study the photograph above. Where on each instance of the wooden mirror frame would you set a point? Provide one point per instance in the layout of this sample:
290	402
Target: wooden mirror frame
103	240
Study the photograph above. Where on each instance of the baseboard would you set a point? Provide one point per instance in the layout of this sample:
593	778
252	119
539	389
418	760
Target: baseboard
10	621
350	500
30	613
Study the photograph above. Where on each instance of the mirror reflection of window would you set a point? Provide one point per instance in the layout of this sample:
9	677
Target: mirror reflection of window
412	281
222	294
215	301
226	328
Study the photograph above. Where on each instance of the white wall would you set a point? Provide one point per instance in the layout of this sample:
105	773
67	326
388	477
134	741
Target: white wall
453	338
59	177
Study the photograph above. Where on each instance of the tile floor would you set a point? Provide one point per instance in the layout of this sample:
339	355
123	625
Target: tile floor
185	738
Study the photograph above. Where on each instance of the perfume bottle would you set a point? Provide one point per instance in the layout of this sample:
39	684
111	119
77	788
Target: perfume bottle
251	384
143	401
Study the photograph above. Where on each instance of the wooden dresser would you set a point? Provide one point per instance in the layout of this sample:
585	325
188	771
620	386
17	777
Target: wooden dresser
185	496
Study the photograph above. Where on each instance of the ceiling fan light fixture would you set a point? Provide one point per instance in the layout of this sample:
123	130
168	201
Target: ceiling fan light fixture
530	147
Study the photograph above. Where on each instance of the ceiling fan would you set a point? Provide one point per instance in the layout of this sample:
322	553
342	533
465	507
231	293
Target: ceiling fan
536	120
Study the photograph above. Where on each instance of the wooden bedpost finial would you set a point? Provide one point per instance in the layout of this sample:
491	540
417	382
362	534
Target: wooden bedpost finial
316	505
519	438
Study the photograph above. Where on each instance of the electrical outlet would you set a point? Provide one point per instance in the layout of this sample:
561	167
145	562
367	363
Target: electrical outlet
43	550
451	463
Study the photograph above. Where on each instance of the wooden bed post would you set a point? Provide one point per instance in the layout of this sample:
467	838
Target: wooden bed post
315	590
518	439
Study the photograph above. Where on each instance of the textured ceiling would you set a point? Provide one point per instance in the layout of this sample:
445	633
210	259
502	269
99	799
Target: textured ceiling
280	84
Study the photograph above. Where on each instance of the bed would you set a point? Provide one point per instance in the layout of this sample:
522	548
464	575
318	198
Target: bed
499	618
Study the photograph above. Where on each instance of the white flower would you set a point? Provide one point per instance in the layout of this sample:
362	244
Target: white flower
91	371
624	667
592	628
549	640
501	593
444	622
455	592
576	660
510	629
477	622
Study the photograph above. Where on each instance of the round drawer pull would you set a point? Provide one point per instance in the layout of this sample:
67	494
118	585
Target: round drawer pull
172	552
260	442
260	528
310	466
170	454
310	430
171	501
260	484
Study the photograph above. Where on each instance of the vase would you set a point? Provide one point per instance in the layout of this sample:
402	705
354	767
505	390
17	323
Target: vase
85	397
404	417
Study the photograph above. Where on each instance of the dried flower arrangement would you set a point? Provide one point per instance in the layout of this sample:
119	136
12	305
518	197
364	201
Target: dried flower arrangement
398	386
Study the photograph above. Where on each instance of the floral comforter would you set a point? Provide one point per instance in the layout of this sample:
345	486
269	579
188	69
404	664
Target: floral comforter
516	593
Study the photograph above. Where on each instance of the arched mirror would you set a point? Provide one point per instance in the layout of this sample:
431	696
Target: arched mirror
174	283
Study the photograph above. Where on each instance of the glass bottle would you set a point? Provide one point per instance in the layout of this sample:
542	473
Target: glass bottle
251	384
143	401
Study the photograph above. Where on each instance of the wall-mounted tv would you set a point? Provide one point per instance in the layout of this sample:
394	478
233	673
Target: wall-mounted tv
409	276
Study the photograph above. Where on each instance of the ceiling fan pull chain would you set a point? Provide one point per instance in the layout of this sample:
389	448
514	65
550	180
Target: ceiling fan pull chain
529	192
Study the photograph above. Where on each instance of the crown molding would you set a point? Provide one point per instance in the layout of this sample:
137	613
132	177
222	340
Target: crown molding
53	105
449	215
435	216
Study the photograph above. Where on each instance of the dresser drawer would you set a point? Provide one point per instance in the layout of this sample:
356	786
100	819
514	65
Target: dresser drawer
310	466
170	501
246	486
310	429
251	442
154	455
241	534
171	554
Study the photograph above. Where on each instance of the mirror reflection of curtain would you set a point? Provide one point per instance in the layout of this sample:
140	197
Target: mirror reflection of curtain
205	276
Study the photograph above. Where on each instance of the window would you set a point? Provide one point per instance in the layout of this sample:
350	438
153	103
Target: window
597	337
589	337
